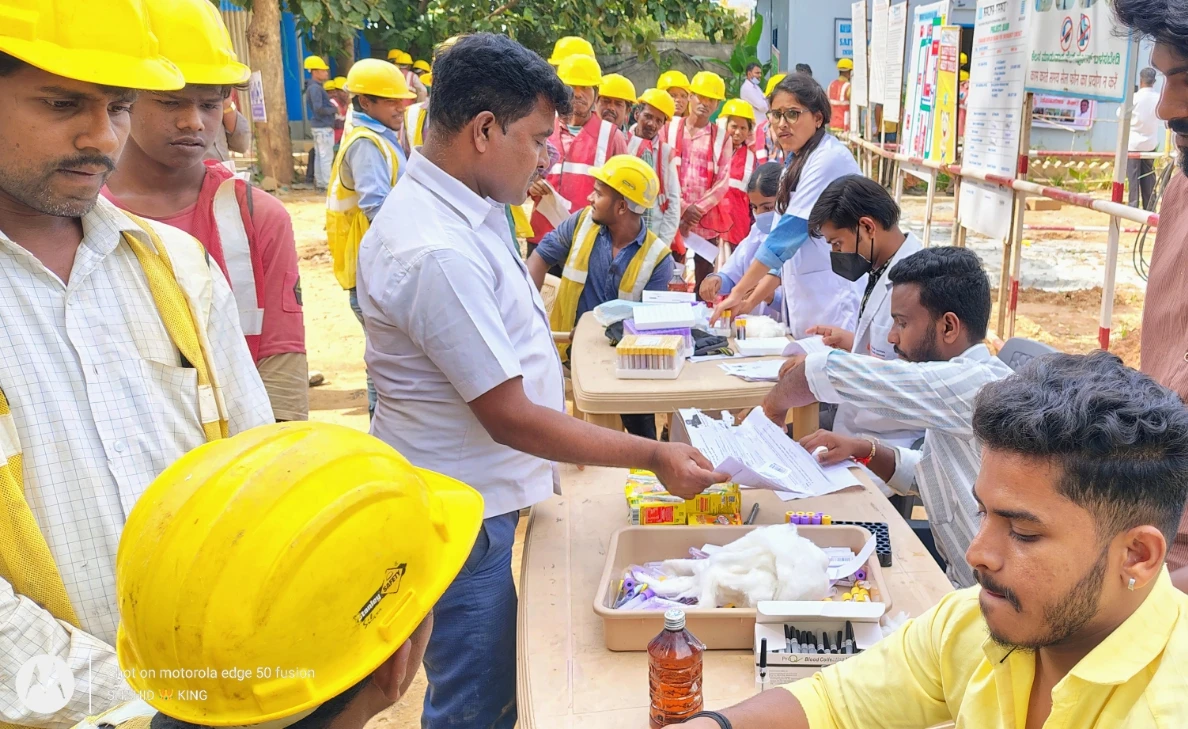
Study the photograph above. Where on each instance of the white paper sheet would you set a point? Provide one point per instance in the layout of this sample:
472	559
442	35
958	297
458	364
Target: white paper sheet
702	247
760	347
808	345
553	207
760	454
767	370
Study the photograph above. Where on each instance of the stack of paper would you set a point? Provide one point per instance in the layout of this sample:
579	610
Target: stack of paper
767	370
664	316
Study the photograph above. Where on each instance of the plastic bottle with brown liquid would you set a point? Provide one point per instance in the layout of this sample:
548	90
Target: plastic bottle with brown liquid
674	672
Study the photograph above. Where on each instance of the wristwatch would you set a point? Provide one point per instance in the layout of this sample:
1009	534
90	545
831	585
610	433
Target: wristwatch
723	722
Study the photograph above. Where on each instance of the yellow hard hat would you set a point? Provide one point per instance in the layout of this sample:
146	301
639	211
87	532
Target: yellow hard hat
631	177
845	64
738	107
427	79
394	54
404	59
109	42
662	101
673	80
373	77
708	84
963	75
773	82
276	569
192	35
614	86
340	82
422	66
330	85
964	59
580	71
315	63
568	46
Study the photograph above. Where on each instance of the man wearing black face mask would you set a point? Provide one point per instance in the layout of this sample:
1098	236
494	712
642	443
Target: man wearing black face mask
940	306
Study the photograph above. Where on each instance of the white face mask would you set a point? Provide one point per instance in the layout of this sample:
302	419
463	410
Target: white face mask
764	221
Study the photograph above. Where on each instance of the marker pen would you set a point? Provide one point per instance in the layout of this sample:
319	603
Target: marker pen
763	662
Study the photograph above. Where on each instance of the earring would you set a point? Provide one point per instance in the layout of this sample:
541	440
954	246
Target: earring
1130	585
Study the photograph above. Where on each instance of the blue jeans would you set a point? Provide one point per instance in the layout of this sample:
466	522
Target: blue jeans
471	658
371	394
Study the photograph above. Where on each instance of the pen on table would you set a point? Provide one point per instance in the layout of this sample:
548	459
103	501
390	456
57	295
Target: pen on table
754	513
763	661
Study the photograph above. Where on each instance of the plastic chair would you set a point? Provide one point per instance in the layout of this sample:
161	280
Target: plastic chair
1018	351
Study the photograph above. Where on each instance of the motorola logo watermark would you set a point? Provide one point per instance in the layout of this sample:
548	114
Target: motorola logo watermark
44	684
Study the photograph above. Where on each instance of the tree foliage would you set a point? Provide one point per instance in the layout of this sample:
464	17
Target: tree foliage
418	25
746	52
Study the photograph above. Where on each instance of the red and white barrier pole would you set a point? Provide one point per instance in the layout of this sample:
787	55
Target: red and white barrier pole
1120	156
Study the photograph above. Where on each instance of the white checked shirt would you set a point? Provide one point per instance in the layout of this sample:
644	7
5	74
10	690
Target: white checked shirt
451	313
937	397
102	405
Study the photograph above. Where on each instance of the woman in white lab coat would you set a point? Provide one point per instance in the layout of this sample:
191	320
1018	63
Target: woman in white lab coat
813	294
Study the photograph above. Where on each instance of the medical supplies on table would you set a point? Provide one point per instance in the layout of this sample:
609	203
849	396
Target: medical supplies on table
648	503
650	357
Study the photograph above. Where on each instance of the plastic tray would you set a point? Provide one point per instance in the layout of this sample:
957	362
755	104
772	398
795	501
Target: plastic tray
718	628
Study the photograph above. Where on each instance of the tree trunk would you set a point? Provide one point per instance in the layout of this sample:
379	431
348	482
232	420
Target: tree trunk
345	56
275	147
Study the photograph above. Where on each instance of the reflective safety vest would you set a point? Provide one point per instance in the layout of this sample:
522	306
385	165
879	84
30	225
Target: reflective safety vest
241	260
736	204
179	279
673	133
662	153
571	177
577	265
345	221
718	137
839	105
413	133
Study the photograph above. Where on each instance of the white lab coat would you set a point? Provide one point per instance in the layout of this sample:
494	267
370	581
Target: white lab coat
870	338
813	293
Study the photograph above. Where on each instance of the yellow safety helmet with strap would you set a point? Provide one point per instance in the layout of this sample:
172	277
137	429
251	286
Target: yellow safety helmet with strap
107	42
616	86
312	549
773	82
845	64
739	108
373	77
709	85
580	71
673	80
661	101
422	66
315	63
193	36
570	46
632	178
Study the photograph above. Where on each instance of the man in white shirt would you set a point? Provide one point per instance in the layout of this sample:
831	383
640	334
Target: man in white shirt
1145	130
101	398
940	307
751	92
461	352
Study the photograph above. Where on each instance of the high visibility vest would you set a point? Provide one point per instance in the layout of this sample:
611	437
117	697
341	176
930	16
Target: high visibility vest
673	133
839	105
571	175
179	280
742	165
662	154
737	205
577	265
413	133
345	221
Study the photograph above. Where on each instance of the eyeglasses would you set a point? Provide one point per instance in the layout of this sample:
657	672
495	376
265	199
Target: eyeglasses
789	115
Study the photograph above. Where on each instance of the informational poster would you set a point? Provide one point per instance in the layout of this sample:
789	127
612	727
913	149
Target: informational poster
994	114
917	113
944	120
1059	112
256	97
858	77
878	52
897	16
843	38
1075	50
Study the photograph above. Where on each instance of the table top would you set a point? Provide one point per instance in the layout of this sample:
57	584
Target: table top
701	384
569	680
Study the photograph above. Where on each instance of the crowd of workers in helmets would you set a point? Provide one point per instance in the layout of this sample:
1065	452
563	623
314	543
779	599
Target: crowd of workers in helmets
191	552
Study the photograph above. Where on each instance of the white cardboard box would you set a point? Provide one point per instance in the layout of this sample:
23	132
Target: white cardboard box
783	667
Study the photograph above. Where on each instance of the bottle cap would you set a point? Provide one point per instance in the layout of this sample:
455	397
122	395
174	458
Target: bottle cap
674	619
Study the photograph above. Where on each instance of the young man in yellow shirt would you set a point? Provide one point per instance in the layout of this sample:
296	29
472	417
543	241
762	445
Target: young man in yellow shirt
1075	622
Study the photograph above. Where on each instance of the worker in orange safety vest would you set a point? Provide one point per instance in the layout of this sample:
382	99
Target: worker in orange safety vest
653	113
839	96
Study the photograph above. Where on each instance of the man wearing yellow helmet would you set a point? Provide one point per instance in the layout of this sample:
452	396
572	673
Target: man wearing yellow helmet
120	348
470	384
655	109
321	113
211	543
403	60
839	96
162	176
616	94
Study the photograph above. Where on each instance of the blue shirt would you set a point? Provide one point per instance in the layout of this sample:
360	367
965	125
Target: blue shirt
365	169
318	105
603	275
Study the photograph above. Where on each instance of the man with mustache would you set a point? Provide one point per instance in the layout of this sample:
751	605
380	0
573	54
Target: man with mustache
162	176
940	307
1076	622
120	348
616	95
1164	336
